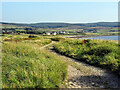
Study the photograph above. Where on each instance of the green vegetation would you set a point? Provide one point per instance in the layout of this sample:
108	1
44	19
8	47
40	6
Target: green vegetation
57	38
101	53
24	65
108	31
20	30
100	28
62	25
30	39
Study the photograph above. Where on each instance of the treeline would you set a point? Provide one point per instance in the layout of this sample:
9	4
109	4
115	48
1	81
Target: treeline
22	30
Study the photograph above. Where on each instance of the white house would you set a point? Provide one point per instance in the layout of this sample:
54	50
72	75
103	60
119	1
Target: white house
48	33
54	33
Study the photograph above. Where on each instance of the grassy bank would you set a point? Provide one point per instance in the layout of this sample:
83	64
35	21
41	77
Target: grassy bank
100	53
24	65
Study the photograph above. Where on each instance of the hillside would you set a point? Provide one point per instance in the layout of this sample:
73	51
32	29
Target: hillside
62	25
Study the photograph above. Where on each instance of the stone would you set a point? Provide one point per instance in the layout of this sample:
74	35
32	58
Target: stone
93	83
101	86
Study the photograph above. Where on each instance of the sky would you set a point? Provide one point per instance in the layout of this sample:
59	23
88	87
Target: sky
67	12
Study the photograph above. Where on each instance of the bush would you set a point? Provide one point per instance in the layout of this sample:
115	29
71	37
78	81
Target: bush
57	38
96	52
32	36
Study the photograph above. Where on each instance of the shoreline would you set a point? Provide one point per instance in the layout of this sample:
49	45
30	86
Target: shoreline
77	36
83	37
80	37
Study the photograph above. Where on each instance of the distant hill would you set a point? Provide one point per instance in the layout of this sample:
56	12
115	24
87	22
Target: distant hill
62	25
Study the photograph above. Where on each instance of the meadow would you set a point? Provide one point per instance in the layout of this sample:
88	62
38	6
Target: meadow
101	53
25	65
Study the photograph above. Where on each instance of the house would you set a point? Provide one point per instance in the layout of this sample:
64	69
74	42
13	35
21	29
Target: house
51	33
62	32
54	33
8	31
48	33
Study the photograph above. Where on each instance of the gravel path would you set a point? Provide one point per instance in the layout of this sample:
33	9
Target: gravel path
47	45
82	75
94	79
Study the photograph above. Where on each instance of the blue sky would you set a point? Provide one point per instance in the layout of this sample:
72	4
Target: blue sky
68	12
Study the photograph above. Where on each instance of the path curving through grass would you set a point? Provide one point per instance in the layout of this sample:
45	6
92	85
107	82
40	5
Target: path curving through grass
82	75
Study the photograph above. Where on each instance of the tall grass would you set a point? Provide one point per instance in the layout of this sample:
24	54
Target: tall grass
101	53
26	66
35	39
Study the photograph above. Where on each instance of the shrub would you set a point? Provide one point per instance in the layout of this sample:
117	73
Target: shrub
57	38
32	36
96	52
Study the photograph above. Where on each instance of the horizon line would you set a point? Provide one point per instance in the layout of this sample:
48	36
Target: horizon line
58	22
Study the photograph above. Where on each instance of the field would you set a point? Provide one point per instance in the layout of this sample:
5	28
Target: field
25	65
100	53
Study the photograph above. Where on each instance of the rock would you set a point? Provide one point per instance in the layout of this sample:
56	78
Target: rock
67	84
93	83
73	84
70	83
101	86
79	86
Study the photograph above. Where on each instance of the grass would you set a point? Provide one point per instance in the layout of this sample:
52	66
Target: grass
26	66
107	32
100	53
36	40
20	30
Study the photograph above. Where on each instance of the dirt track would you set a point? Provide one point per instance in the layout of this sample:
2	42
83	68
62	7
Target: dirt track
81	75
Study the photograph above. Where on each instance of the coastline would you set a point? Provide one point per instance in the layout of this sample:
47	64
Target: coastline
80	37
87	36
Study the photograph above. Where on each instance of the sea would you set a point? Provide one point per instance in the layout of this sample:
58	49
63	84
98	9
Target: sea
104	37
